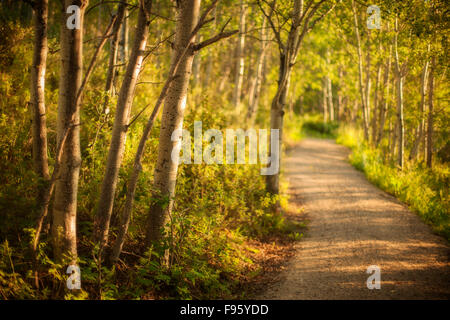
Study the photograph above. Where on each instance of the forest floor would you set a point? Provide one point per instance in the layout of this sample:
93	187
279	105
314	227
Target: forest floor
353	225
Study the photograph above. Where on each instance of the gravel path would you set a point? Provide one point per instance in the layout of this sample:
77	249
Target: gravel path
352	225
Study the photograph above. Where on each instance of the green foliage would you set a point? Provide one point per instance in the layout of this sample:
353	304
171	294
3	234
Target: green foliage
11	282
320	128
311	125
425	191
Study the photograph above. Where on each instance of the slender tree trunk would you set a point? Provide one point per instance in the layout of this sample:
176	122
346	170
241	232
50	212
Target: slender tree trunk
65	205
251	77
368	81
430	113
300	105
388	149
120	127
400	120
113	52
339	96
330	98
329	89
401	125
394	139
354	111
37	95
375	104
325	100
421	127
99	20
123	44
255	93
276	118
239	72
385	98
165	174
362	89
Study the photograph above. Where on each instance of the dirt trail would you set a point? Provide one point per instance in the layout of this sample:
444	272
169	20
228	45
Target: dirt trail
353	225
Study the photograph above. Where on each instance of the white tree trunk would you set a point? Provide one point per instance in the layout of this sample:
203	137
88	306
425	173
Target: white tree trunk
123	44
37	94
362	88
120	127
421	127
113	54
376	104
325	100
65	205
330	98
384	98
430	113
400	120
165	174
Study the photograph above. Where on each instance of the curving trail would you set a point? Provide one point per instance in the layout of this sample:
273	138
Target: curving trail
352	225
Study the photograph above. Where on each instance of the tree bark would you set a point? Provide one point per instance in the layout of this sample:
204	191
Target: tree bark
123	43
329	89
430	113
339	100
376	104
37	95
330	98
276	118
325	100
394	139
368	82
113	52
384	98
421	127
66	188
400	120
362	89
120	127
173	112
